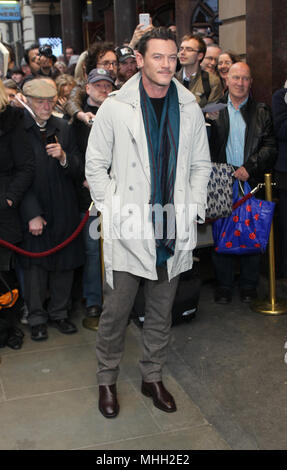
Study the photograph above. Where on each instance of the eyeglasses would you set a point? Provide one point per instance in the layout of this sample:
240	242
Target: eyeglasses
188	49
108	63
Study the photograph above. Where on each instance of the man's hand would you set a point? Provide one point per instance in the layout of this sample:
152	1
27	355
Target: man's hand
56	151
9	202
85	117
212	116
138	33
36	225
17	100
241	174
62	103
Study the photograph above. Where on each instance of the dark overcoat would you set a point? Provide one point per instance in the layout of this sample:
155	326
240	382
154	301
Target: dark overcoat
16	171
52	196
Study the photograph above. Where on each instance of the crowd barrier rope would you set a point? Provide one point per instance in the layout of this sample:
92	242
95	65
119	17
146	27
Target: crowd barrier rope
270	306
53	250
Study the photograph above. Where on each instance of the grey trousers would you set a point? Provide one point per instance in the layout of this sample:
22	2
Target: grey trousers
37	283
118	303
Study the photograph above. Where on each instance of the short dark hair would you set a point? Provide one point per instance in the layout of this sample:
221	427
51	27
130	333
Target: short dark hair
11	51
33	46
198	38
201	44
156	33
233	56
95	52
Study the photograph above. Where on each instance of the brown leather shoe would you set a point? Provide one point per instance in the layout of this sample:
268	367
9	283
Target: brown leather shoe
108	403
162	399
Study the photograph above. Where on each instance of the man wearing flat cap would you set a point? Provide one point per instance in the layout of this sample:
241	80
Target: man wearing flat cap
127	64
49	213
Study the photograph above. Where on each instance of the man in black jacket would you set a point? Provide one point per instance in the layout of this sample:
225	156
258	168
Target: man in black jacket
242	135
99	85
49	213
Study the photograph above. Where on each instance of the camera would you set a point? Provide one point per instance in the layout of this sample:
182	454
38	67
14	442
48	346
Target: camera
46	50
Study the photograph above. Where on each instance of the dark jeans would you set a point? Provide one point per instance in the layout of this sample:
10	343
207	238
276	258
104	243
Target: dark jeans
225	270
40	285
92	276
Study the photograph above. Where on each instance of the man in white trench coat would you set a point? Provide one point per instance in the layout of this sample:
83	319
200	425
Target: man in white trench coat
147	166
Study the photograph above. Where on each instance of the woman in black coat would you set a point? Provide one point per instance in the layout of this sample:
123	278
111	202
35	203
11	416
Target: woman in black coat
16	175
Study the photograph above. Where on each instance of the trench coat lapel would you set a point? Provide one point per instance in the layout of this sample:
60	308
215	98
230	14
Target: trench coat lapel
135	124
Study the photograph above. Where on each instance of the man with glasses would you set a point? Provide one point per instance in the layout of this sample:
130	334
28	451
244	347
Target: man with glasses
206	87
49	213
210	60
100	55
99	85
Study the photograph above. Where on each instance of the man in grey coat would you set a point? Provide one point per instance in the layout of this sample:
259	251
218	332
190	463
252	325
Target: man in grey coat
147	166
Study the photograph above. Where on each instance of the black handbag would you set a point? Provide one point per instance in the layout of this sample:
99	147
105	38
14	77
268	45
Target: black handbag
219	191
10	335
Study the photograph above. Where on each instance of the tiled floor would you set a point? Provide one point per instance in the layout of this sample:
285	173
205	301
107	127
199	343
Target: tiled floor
48	400
226	370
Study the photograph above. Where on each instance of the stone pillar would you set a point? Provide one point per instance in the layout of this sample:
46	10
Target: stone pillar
110	26
71	18
47	19
28	26
125	20
266	25
232	31
183	14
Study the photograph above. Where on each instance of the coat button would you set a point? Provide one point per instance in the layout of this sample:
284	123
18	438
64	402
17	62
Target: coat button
134	164
131	188
133	141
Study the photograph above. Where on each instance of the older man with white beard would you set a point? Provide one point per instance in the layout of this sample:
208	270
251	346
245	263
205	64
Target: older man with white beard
49	213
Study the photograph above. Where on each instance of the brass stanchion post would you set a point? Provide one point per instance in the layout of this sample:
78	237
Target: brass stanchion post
270	306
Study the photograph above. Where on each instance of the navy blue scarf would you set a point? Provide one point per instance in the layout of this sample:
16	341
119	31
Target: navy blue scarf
162	143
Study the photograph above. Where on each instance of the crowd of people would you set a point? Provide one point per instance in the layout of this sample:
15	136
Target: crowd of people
64	144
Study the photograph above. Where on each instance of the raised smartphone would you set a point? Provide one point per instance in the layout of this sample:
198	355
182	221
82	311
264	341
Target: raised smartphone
144	19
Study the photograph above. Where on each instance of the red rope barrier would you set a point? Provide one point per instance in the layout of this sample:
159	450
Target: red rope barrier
52	250
241	201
